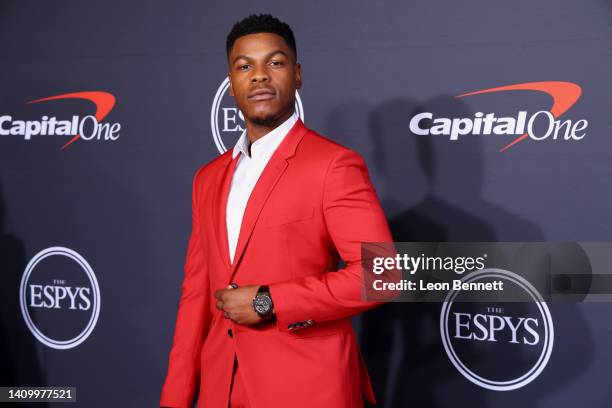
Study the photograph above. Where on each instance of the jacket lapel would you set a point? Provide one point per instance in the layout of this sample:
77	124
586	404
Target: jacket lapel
264	186
223	188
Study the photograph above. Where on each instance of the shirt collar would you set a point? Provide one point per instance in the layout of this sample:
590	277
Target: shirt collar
267	144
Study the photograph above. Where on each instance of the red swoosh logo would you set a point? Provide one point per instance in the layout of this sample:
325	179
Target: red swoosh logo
104	102
564	96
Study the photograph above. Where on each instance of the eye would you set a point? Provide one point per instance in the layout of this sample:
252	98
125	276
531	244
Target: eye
276	63
244	67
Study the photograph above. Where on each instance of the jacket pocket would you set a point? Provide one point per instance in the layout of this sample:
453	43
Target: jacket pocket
301	214
323	329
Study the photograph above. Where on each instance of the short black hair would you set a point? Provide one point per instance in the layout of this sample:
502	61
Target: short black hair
260	23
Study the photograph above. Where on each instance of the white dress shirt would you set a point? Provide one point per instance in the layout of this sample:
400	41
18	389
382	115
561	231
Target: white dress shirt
247	172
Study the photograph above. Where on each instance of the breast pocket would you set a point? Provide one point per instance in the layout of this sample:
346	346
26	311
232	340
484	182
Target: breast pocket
289	217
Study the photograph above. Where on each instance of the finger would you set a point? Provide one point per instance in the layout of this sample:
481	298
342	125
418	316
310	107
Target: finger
226	315
220	305
218	294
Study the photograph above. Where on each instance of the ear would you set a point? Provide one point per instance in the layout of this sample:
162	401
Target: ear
231	90
298	75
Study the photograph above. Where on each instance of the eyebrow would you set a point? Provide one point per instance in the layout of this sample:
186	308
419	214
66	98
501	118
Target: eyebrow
270	54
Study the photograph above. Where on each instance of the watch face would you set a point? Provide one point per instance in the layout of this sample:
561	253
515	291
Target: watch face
262	304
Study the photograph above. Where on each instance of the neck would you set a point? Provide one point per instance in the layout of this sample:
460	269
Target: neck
256	131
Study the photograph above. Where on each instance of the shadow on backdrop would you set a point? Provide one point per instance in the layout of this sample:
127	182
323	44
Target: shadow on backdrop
431	190
19	364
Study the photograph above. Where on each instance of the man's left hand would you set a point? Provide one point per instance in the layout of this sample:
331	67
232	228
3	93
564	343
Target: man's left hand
237	304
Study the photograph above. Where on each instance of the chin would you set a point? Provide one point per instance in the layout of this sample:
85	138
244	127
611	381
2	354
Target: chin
264	119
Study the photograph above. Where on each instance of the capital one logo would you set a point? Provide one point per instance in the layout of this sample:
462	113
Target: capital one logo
87	128
226	120
498	345
59	298
539	126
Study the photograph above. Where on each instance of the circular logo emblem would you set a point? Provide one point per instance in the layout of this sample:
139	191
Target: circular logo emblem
227	122
498	345
59	297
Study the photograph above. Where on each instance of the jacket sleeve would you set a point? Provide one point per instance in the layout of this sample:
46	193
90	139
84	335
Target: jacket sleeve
353	215
192	322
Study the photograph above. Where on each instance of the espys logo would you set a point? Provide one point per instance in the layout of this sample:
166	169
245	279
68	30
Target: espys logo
564	95
227	122
88	127
60	298
498	345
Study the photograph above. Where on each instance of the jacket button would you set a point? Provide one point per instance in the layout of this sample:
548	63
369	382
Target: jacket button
230	334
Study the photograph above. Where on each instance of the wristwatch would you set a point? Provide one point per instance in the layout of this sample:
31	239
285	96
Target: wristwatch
262	303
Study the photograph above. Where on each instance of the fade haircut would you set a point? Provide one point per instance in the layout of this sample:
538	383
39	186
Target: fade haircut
260	23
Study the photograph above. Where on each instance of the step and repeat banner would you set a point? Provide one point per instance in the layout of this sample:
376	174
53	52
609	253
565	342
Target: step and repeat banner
479	121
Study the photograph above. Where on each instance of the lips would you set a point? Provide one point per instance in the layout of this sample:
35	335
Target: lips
262	94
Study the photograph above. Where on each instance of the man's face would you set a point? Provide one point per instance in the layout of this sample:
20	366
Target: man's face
263	78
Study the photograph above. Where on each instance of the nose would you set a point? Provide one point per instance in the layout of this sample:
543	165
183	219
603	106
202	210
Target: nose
260	74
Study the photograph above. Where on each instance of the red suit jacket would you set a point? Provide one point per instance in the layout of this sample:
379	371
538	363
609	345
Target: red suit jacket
313	203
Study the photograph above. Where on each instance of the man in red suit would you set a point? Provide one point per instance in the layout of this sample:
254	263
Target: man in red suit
264	314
